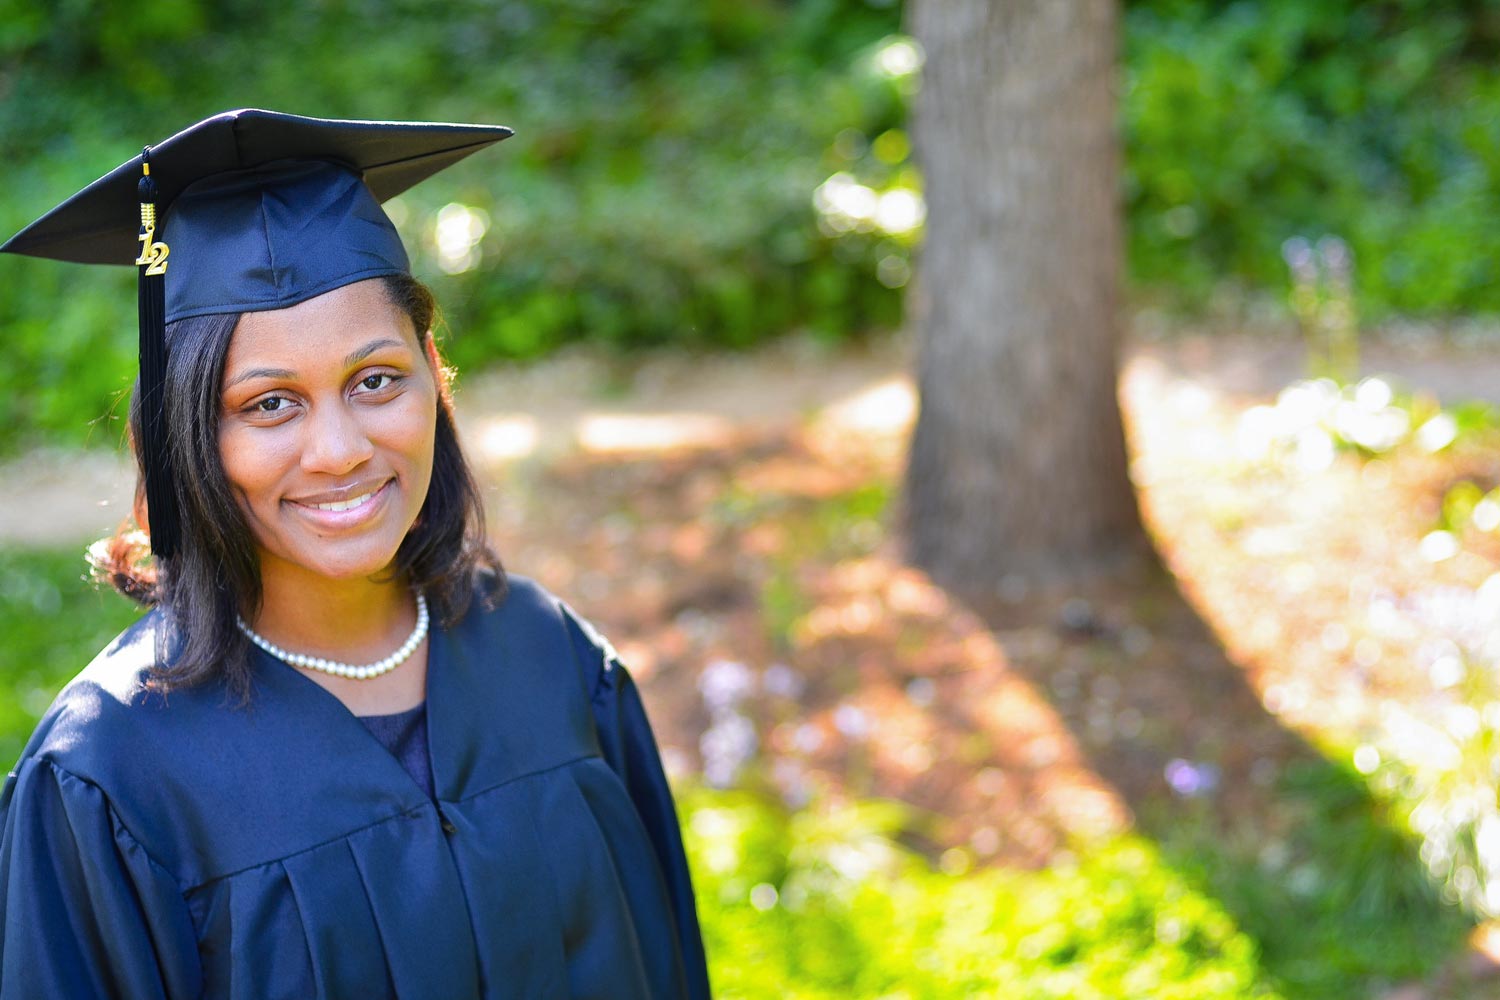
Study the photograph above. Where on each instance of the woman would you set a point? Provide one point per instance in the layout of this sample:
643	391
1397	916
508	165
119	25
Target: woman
344	755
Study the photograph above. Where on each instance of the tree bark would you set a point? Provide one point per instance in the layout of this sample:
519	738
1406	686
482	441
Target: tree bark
1017	472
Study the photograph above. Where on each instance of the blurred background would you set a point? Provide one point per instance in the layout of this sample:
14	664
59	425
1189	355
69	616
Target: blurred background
1259	763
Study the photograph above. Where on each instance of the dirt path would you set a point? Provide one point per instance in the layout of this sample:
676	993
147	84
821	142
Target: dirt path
578	401
538	411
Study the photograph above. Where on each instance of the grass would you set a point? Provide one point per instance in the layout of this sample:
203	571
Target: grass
820	904
1337	903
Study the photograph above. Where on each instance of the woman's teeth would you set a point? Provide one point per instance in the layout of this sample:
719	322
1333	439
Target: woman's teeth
345	504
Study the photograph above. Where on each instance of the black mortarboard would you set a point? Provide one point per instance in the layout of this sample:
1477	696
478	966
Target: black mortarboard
260	210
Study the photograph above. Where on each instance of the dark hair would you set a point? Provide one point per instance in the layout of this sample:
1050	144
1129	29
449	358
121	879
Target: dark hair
215	575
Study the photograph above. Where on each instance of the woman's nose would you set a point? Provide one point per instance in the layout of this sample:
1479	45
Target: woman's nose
336	442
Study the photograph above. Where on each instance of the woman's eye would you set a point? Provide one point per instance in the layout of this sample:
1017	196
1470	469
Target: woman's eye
376	381
270	404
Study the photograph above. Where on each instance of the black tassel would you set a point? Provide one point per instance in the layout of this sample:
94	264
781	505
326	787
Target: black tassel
156	454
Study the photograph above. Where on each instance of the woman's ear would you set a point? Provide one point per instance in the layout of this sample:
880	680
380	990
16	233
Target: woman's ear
441	373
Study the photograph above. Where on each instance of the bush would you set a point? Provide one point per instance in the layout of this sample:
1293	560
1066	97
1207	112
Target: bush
1375	120
660	188
54	623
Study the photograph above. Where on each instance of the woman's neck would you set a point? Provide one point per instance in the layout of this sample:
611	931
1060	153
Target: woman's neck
354	621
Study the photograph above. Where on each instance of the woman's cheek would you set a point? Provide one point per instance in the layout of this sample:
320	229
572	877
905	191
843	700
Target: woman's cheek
412	428
253	460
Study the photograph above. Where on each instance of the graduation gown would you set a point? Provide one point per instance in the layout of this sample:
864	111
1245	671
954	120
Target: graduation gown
190	846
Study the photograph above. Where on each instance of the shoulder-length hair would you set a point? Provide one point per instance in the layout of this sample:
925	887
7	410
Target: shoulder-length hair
215	575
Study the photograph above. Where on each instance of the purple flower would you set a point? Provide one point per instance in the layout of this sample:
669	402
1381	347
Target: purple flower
791	782
783	682
724	684
851	721
1191	780
726	746
808	738
921	692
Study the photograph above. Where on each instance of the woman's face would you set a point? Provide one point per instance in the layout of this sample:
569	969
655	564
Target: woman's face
326	434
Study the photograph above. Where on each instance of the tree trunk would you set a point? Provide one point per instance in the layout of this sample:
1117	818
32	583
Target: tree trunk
1017	472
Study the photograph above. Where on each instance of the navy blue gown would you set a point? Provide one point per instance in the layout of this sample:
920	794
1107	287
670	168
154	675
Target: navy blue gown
190	846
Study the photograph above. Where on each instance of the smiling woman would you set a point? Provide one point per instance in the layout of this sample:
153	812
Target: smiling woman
329	457
302	425
344	754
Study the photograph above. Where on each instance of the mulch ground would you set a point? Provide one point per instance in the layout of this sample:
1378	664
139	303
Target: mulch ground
758	576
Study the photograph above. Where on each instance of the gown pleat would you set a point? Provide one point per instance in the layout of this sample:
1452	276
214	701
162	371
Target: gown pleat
187	847
334	906
496	844
257	906
605	936
423	937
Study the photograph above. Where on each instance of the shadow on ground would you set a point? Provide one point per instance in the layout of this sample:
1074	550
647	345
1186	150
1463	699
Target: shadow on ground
1294	846
1017	731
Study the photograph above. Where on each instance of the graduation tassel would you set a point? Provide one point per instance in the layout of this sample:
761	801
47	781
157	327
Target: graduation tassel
156	458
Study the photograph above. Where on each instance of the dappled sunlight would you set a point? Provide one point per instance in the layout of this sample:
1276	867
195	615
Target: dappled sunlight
955	729
1271	555
504	438
784	645
869	427
788	652
766	563
624	433
888	407
456	233
1355	581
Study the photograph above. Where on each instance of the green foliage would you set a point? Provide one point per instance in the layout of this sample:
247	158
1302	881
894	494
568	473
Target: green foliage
658	190
1340	901
660	187
53	623
1253	122
821	903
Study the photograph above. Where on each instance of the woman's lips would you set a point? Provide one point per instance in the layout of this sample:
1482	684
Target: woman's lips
344	513
358	501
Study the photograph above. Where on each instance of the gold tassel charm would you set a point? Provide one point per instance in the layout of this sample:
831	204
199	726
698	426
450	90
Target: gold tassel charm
153	253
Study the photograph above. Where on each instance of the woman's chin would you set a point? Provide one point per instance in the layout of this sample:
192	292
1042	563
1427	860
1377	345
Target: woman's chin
334	567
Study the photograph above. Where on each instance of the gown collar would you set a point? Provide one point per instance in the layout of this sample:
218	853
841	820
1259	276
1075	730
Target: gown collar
505	698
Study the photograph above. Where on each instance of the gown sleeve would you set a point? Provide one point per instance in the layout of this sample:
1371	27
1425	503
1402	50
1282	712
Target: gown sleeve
630	750
84	913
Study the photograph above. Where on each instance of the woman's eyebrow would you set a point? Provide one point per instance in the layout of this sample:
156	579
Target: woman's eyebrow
260	373
356	356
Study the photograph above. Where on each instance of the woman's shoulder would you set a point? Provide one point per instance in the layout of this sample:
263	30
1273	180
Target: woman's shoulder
512	600
519	604
520	597
111	704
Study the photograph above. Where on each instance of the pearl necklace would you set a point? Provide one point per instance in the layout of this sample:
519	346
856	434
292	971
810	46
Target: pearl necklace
349	670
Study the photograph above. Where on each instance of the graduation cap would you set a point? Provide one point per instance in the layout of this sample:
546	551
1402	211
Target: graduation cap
250	210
